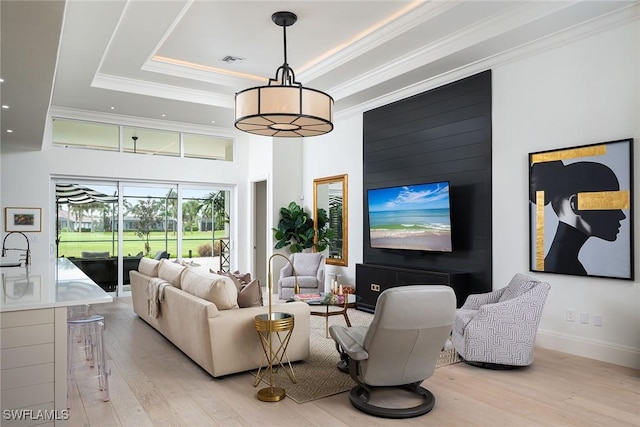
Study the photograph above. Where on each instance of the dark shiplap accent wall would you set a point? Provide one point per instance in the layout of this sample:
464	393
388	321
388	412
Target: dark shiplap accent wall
440	135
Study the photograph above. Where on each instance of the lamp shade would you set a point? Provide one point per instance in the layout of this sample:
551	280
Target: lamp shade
284	111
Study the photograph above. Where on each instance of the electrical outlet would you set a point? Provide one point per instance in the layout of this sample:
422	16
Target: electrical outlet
571	315
597	320
375	287
584	317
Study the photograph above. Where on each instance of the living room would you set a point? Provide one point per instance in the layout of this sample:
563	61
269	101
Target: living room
570	89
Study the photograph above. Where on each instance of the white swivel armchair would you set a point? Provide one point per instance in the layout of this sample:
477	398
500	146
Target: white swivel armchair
498	329
309	269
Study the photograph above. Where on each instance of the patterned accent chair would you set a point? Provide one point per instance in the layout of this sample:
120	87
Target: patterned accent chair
498	329
309	268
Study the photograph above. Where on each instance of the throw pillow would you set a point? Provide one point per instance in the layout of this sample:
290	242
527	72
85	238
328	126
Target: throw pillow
149	267
231	276
170	271
218	289
245	278
251	295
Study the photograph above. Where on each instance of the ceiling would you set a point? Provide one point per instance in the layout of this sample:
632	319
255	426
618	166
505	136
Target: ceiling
163	60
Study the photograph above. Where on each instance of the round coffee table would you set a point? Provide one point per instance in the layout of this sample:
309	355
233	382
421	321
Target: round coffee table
349	302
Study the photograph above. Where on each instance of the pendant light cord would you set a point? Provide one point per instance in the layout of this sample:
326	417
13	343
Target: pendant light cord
285	74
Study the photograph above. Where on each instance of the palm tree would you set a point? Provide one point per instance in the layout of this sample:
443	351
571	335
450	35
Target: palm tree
91	208
213	207
190	211
78	211
170	209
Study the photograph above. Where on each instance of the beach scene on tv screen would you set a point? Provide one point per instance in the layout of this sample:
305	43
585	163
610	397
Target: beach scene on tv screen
414	217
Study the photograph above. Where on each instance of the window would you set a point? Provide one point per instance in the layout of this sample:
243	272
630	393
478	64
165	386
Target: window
207	147
101	136
96	136
205	222
148	141
86	231
187	222
150	219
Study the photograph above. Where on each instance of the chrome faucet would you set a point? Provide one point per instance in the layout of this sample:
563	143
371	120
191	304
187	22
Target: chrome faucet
27	252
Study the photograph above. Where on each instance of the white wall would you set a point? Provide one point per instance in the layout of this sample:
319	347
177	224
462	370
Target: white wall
574	93
286	187
581	93
336	153
260	165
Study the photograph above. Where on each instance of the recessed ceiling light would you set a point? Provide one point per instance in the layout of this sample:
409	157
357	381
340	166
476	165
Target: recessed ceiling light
112	108
6	107
9	130
164	115
213	121
1	80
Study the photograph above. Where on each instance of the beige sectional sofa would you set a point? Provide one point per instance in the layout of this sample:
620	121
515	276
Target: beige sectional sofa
214	332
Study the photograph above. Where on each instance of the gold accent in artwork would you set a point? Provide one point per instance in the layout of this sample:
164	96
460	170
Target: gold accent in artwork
540	230
572	153
604	200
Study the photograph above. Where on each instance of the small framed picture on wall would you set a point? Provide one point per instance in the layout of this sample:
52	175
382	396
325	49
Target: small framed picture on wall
581	210
23	219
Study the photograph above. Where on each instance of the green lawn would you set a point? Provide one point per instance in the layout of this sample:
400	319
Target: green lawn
72	244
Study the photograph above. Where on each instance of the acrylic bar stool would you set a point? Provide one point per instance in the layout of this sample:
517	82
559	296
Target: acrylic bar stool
87	328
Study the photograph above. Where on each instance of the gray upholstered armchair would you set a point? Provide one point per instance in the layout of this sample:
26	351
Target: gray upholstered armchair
400	348
310	271
498	329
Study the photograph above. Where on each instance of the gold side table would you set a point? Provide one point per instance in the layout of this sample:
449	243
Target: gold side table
270	326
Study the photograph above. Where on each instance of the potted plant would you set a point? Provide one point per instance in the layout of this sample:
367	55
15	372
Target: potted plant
295	230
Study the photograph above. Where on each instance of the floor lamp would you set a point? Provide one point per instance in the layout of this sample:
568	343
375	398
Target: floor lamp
266	327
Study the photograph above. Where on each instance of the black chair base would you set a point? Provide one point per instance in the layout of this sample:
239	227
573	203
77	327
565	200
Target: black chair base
494	366
359	398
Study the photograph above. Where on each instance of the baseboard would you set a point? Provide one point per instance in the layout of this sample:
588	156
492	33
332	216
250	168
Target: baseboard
593	349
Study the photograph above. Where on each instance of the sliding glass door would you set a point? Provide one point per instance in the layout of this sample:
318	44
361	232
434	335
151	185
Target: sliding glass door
150	220
205	224
106	227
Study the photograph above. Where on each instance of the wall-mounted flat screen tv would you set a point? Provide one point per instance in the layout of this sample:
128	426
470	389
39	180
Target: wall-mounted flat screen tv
412	217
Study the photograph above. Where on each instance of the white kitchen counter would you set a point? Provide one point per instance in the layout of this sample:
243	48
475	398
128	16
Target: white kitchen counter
28	288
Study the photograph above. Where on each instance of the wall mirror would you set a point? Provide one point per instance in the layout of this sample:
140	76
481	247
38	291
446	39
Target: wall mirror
330	194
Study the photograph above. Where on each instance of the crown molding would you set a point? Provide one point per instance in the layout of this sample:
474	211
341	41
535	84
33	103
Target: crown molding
192	72
577	32
466	38
141	87
411	19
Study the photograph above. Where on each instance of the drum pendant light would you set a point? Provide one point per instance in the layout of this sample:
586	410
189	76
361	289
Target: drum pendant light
284	108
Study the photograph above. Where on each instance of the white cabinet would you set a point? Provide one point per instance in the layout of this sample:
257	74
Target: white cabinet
33	386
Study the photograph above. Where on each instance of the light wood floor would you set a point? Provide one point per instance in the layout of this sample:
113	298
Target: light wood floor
154	384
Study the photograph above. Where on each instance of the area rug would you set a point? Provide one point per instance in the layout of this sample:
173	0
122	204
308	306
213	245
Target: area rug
318	377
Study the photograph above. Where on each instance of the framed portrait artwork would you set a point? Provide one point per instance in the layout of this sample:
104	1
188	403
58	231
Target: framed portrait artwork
581	210
23	219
